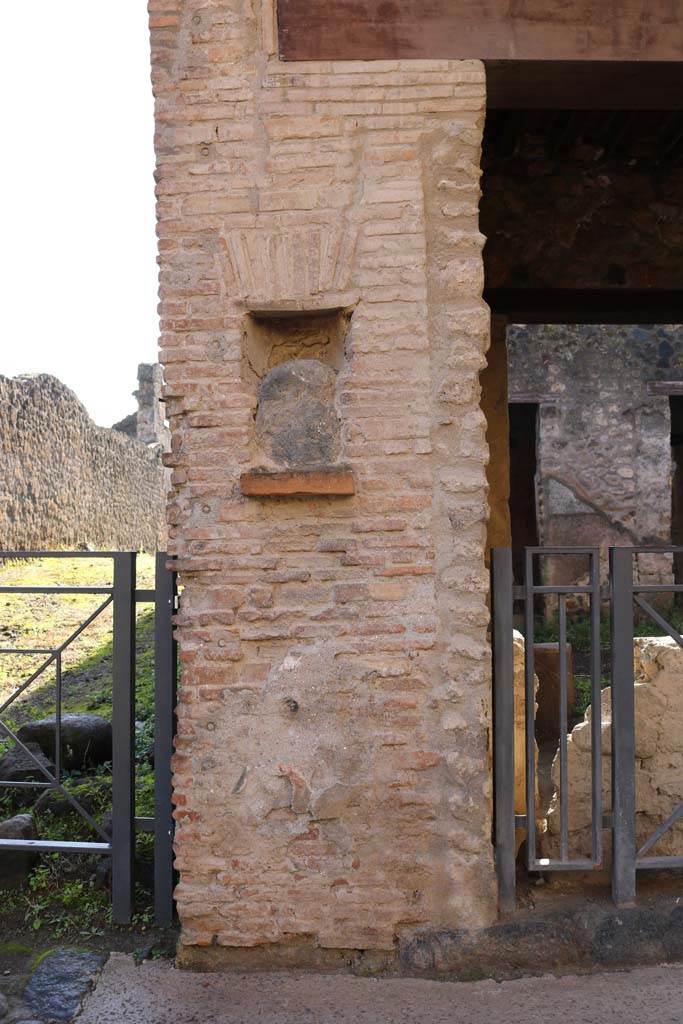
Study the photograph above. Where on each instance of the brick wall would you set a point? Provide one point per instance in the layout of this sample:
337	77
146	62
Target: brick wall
331	775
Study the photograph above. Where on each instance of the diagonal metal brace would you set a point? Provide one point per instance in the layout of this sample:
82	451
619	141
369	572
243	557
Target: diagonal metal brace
54	782
659	619
659	832
55	654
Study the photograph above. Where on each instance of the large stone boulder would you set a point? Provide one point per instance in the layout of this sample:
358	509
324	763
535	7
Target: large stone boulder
17	766
90	794
15	865
86	739
659	755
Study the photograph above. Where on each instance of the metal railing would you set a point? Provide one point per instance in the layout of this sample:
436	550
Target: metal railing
623	593
504	593
123	596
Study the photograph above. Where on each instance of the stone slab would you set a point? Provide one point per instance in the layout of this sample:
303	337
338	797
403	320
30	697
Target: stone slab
60	982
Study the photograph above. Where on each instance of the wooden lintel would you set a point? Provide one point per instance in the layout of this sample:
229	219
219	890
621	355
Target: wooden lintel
584	30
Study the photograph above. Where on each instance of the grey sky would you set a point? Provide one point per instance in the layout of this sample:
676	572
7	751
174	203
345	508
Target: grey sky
80	277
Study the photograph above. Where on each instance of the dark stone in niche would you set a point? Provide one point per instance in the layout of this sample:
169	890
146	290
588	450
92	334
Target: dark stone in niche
296	421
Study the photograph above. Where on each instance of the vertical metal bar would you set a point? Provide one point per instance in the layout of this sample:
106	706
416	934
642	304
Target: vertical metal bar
596	711
58	717
503	726
564	775
623	729
165	683
529	708
123	729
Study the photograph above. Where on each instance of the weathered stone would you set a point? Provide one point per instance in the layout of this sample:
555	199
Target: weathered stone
66	482
659	754
85	739
18	766
604	445
21	1014
88	793
15	865
332	802
296	420
60	981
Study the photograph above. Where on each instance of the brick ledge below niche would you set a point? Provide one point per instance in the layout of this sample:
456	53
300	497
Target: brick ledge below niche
263	483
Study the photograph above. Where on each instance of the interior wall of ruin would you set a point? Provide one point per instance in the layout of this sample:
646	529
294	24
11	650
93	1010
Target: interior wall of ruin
332	780
604	466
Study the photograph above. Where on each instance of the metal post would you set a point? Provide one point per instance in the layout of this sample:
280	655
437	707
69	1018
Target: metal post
123	732
596	712
564	753
58	717
530	709
165	680
623	729
503	726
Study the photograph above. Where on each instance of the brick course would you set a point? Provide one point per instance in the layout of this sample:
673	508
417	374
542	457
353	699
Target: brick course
331	776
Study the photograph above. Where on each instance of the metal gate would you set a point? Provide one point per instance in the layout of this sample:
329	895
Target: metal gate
123	595
622	593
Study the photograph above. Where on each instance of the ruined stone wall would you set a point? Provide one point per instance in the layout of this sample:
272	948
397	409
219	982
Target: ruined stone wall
148	422
658	699
332	780
604	468
65	482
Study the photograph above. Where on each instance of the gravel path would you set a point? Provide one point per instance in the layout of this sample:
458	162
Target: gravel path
158	993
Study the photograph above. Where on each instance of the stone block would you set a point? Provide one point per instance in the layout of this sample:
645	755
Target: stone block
15	865
659	754
297	423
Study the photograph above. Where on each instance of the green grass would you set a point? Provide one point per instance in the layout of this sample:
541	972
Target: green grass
547	630
578	631
61	895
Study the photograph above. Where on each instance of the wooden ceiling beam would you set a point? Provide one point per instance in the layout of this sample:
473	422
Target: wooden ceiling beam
583	30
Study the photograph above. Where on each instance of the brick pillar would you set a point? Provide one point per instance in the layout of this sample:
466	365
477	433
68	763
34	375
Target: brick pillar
331	777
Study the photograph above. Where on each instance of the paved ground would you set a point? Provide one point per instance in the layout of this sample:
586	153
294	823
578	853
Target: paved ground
158	994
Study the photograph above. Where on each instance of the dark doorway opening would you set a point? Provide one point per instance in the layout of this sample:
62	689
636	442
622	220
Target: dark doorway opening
676	410
523	419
